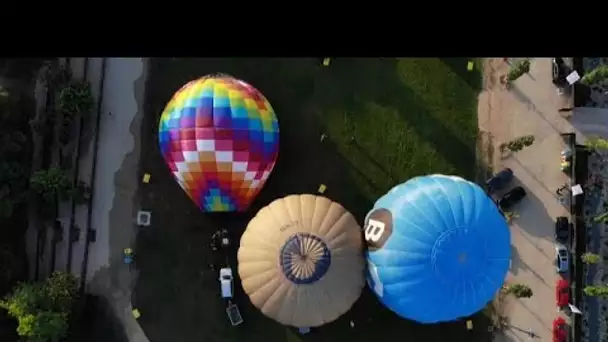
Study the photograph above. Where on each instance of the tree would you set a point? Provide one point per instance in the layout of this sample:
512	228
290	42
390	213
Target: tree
595	76
590	258
519	290
75	99
51	184
596	291
60	290
518	69
517	144
42	309
601	217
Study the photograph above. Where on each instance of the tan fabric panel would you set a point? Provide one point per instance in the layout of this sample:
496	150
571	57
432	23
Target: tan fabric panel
321	226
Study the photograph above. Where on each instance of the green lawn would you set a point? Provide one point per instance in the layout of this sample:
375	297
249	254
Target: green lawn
386	120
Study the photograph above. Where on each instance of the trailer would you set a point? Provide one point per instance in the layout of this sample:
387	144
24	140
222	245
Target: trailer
234	314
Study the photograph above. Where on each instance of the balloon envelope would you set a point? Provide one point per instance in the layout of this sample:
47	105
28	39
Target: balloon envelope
438	248
220	138
301	260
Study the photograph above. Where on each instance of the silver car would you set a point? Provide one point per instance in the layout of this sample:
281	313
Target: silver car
562	258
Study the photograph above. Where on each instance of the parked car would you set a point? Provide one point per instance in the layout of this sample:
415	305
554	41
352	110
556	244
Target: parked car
511	198
562	293
559	71
499	180
560	330
226	282
562	230
562	259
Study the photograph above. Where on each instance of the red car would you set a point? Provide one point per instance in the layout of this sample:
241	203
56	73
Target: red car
560	330
562	293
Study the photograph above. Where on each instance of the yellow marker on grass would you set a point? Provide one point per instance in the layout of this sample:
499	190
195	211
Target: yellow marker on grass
470	66
322	188
326	61
136	313
146	178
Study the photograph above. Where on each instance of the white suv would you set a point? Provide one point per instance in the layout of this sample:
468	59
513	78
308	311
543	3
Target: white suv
226	282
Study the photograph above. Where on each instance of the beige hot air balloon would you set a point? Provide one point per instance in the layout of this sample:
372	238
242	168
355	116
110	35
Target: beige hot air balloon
301	260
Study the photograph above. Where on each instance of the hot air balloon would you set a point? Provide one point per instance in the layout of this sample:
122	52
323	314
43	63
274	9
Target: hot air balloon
301	261
438	249
220	138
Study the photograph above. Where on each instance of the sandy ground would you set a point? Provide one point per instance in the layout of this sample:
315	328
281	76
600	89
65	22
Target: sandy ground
530	107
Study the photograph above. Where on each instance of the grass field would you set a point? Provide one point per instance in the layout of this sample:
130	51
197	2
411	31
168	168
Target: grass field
386	120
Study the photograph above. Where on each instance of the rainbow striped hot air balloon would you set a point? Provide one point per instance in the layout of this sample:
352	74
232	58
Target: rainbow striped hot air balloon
220	138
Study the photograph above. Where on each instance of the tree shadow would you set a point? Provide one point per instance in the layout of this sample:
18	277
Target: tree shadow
371	159
525	99
517	264
537	180
533	216
377	82
98	323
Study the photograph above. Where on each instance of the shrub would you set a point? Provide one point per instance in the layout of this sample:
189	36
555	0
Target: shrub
518	69
51	184
510	216
596	291
595	76
590	258
597	143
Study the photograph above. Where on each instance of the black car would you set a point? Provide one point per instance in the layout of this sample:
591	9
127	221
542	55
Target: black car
511	198
559	71
499	180
562	230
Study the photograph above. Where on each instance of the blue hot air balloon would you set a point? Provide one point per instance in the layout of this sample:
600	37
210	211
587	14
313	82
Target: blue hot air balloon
438	248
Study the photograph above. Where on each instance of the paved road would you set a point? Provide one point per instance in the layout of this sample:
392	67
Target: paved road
530	107
115	185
